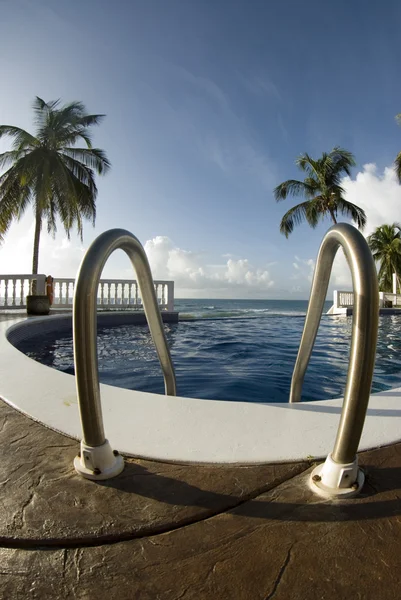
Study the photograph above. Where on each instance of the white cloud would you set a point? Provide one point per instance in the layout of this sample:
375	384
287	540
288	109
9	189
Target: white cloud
59	257
262	84
194	277
379	194
302	276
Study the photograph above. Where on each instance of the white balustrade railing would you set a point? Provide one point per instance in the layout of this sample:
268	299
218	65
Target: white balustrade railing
15	288
346	299
394	299
115	293
343	299
112	293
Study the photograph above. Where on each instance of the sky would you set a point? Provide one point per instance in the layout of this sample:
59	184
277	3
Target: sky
208	103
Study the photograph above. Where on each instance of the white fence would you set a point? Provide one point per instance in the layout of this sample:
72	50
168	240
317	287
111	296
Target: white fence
112	293
343	299
15	288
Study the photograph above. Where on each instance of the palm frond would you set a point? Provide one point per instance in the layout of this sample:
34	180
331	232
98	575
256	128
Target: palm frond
83	173
295	216
343	160
14	198
22	139
307	164
351	210
292	187
94	158
10	157
397	166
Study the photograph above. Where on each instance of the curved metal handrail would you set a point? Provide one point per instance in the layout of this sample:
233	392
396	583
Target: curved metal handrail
364	332
85	325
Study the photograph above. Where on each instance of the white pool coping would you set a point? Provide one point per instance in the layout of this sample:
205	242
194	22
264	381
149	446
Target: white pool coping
189	430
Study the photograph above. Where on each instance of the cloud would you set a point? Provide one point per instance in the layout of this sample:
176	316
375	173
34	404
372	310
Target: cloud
303	274
194	277
262	84
59	257
379	194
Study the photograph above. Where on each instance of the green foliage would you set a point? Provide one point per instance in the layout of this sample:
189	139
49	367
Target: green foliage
385	245
48	171
397	162
322	190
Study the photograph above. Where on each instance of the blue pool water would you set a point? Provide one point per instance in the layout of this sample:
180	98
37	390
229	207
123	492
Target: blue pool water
233	350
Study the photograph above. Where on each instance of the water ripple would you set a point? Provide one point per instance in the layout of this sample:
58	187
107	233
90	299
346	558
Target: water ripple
233	359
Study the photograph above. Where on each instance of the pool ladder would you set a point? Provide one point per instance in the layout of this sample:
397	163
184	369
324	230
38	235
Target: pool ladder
339	475
96	459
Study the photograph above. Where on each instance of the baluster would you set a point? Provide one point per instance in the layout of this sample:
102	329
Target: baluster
136	294
163	294
6	292
129	293
101	293
14	283
21	299
122	293
157	292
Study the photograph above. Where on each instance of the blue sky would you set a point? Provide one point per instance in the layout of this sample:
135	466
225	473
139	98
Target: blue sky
208	104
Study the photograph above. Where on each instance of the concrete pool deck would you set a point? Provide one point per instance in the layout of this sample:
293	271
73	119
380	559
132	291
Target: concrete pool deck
176	532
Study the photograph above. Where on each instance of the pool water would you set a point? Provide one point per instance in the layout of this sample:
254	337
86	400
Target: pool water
245	356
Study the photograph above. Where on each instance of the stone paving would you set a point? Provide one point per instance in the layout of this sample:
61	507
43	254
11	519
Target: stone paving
176	532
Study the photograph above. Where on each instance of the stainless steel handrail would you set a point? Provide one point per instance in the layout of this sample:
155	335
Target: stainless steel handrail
364	332
85	325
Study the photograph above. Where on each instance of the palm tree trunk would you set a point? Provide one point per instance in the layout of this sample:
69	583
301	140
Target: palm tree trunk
35	260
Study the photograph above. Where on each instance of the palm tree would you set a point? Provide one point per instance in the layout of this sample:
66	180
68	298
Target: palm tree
397	162
385	244
322	190
50	172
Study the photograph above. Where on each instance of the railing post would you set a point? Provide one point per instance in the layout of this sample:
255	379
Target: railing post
41	284
340	475
170	296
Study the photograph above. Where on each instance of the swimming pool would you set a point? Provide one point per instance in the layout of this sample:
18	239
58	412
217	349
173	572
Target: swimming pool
239	359
176	428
